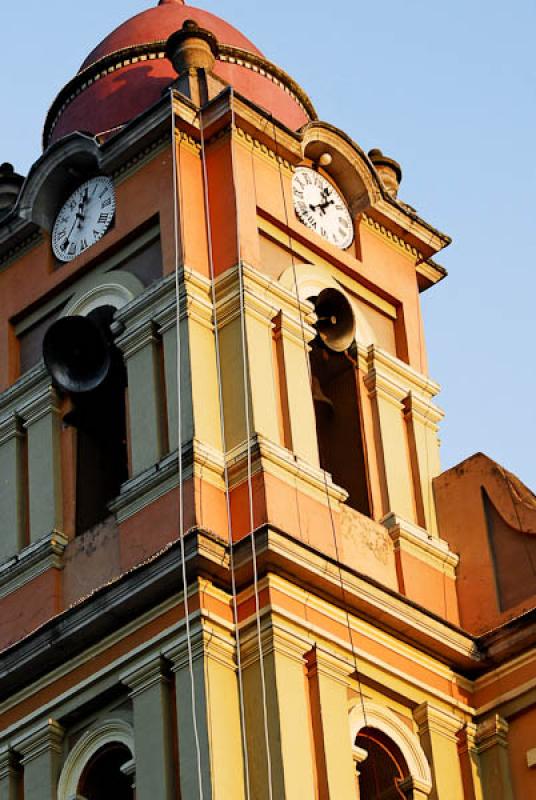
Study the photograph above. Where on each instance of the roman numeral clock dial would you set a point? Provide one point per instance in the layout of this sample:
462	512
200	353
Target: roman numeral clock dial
84	218
321	208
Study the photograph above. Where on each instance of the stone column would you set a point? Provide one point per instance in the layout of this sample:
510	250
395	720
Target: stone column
288	717
10	775
438	733
42	421
151	700
12	486
41	753
217	716
290	335
328	681
139	346
492	743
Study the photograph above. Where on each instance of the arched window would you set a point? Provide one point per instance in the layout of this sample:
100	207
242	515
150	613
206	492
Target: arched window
100	765
390	762
97	416
383	770
335	381
105	775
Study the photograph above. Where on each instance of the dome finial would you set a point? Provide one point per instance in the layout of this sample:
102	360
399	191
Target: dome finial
168	2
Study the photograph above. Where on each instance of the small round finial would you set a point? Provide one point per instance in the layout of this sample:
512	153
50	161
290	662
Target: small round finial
10	186
325	159
388	169
192	47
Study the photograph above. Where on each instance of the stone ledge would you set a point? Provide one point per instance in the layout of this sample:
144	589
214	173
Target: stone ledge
414	540
32	561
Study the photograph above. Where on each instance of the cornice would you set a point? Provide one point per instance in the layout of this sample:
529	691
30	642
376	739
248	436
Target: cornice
268	456
434	720
491	732
150	673
418	542
32	561
21	394
152	51
43	739
396	240
364	597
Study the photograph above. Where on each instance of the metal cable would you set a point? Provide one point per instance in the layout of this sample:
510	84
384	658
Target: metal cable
177	209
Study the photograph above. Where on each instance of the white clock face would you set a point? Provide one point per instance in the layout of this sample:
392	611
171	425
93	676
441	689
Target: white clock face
319	206
84	219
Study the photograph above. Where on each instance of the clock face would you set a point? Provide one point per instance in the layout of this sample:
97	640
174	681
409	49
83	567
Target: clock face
319	206
84	219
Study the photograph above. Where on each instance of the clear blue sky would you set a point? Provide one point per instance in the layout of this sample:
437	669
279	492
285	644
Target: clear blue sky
449	90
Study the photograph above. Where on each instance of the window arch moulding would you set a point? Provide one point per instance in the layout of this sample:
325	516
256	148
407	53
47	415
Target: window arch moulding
113	731
115	289
372	715
308	280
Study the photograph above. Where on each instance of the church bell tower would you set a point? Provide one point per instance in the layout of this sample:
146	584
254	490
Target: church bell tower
222	575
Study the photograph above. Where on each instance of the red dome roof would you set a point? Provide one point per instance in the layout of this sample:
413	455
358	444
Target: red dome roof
127	73
157	25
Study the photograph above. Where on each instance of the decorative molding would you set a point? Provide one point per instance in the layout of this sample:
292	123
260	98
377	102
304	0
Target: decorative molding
20	249
145	675
263	149
9	764
491	732
433	720
115	289
113	731
385	233
32	561
364	713
323	662
206	641
274	639
264	455
40	406
47	738
22	393
11	427
412	539
140	491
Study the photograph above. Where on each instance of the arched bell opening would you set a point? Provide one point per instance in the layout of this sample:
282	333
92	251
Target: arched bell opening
84	364
335	389
105	775
381	767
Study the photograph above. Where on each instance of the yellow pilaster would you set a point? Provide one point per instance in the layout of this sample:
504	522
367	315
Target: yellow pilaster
328	680
470	763
392	443
288	718
438	730
422	420
217	714
294	335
